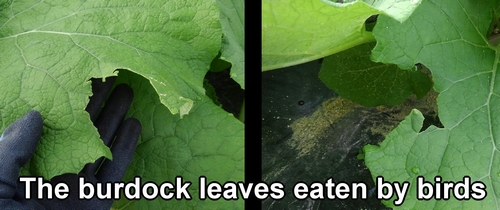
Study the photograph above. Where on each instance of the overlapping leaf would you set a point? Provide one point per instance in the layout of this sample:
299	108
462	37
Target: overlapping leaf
352	75
400	10
50	49
449	37
233	43
207	142
295	32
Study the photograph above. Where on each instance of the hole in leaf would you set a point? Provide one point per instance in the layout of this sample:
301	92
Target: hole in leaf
227	92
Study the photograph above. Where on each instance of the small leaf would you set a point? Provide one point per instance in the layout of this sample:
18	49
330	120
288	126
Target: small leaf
354	76
210	92
218	64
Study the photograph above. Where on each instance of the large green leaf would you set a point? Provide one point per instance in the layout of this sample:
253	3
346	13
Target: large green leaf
295	32
449	37
354	76
50	49
233	43
207	142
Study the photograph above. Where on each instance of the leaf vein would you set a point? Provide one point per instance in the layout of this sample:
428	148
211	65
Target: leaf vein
14	15
493	143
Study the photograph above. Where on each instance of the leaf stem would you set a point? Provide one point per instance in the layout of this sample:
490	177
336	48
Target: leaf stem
242	112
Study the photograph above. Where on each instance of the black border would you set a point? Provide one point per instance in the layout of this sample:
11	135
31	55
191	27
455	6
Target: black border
253	98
